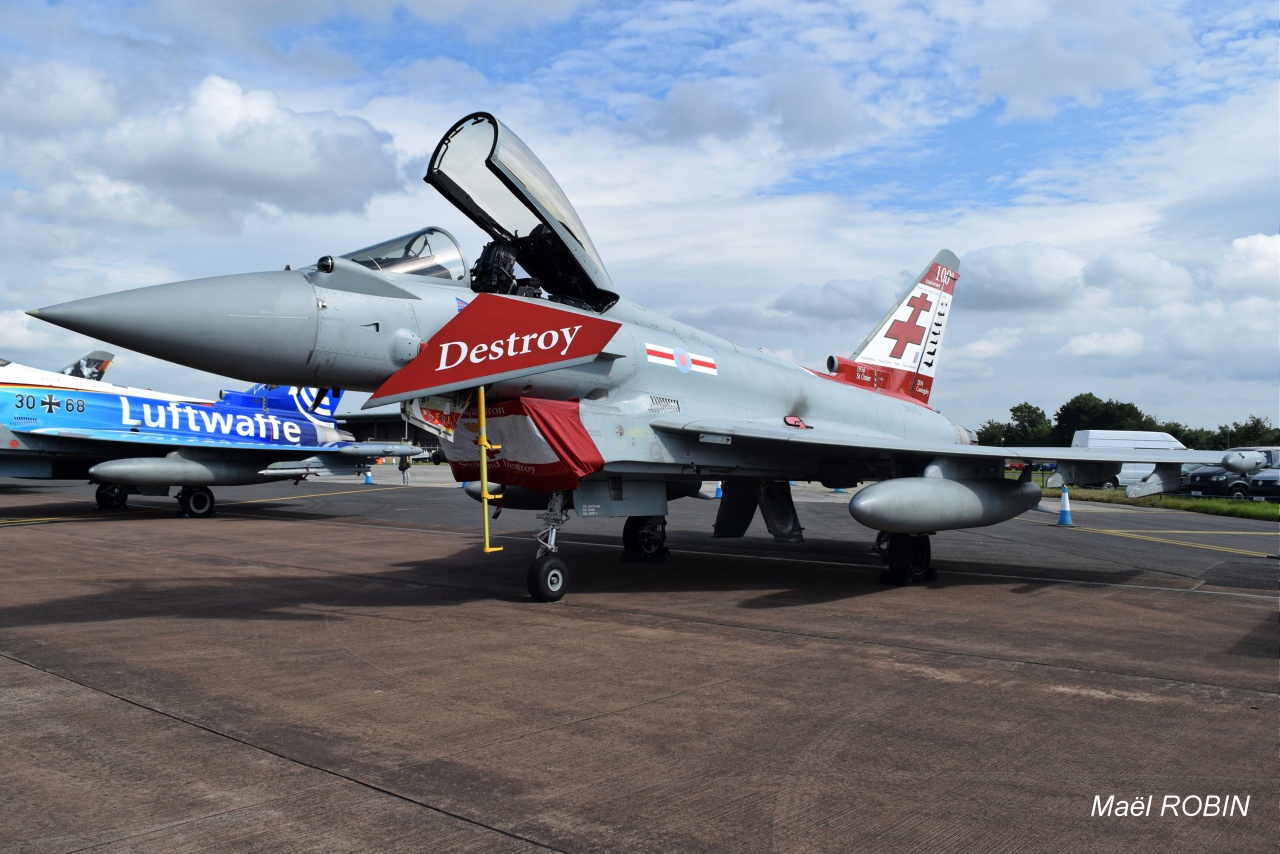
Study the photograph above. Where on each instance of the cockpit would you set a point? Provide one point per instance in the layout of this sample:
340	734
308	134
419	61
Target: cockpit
431	252
490	175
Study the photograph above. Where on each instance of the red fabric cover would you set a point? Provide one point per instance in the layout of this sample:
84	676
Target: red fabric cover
544	445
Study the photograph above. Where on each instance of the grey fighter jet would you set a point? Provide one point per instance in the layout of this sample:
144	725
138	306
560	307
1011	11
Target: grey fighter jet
593	404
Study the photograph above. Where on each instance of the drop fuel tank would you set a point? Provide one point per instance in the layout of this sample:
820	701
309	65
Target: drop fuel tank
922	505
177	471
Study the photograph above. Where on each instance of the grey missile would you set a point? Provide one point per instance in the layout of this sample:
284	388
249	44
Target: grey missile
922	505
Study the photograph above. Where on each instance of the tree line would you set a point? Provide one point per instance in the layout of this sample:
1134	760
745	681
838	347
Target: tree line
1029	425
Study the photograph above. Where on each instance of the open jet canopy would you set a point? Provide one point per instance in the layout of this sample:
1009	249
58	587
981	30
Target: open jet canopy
490	175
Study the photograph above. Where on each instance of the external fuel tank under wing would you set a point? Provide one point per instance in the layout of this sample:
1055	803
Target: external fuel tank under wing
551	390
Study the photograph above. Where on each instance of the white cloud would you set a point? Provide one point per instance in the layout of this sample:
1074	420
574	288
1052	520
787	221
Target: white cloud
848	299
223	154
22	334
235	147
693	110
1252	265
232	22
815	111
1013	278
1057	53
53	97
1117	343
982	357
1128	276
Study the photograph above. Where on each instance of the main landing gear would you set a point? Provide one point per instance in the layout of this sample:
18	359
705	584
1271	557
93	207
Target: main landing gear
906	558
196	502
644	538
111	496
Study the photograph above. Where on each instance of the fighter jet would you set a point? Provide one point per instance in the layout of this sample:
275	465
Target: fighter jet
555	393
131	440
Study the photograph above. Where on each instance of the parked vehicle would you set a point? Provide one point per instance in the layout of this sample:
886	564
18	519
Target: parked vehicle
1215	480
1130	473
1265	483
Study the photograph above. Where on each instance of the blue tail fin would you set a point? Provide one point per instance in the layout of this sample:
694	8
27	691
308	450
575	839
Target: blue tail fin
291	400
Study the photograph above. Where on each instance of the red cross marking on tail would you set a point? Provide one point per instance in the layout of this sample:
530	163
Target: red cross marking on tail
908	332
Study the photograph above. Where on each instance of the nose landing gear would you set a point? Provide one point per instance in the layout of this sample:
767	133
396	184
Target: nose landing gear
548	574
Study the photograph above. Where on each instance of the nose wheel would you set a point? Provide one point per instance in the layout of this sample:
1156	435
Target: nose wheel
906	557
548	575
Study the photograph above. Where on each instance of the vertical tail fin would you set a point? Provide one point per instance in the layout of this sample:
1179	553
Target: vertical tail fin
90	366
318	404
294	400
900	356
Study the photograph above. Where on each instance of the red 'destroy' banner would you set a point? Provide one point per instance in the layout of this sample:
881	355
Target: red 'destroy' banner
497	335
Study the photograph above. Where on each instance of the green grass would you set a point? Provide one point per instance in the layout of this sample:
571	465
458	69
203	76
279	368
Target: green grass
1239	509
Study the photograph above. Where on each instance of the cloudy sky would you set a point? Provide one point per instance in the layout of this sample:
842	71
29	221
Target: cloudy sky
1107	170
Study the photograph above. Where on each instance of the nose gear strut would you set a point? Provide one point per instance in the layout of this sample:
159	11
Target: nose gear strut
548	574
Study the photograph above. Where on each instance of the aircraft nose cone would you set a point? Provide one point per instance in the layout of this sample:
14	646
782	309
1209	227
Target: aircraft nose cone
254	326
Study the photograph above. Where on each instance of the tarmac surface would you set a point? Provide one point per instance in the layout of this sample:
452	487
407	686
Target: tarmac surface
337	666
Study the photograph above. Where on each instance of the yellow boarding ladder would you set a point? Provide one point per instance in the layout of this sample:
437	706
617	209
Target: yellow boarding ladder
485	497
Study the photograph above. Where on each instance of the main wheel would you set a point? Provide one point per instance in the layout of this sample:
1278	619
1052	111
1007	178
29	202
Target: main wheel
197	503
908	560
111	496
548	575
645	537
881	546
